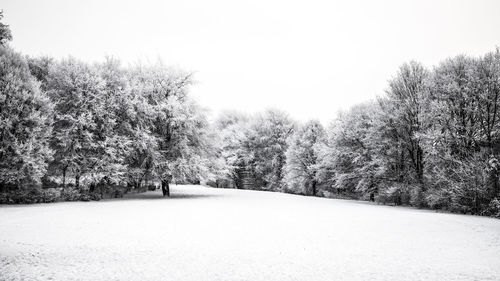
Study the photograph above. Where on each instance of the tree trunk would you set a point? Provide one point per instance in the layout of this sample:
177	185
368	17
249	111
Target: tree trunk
64	176
165	188
313	188
420	164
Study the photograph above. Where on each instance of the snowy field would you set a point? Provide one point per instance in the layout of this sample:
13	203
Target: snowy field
218	234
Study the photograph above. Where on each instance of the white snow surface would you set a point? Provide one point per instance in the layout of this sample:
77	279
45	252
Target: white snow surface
203	233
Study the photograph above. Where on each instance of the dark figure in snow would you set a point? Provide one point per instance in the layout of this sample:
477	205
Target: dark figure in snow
165	188
373	190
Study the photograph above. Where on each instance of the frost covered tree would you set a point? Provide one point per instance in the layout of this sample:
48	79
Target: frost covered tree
230	137
452	140
5	34
348	160
25	123
267	143
113	143
174	146
454	105
39	68
485	81
190	151
255	145
301	169
402	117
463	139
84	139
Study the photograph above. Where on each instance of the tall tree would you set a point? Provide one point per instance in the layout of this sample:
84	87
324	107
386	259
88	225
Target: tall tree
349	159
403	109
176	124
485	81
231	131
25	123
267	142
302	158
454	105
5	34
462	142
40	68
77	90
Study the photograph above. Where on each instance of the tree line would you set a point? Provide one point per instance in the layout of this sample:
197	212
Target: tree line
93	126
431	141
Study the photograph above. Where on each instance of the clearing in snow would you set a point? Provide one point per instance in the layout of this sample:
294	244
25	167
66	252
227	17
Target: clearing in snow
221	234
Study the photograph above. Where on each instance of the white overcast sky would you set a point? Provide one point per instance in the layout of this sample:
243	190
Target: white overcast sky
310	58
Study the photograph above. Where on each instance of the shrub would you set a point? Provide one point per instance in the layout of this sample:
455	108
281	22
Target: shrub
4	198
118	193
438	198
493	209
95	196
70	194
417	197
48	182
397	194
30	196
85	197
141	189
51	195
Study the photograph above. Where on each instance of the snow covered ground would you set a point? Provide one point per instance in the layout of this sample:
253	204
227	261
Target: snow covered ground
218	234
